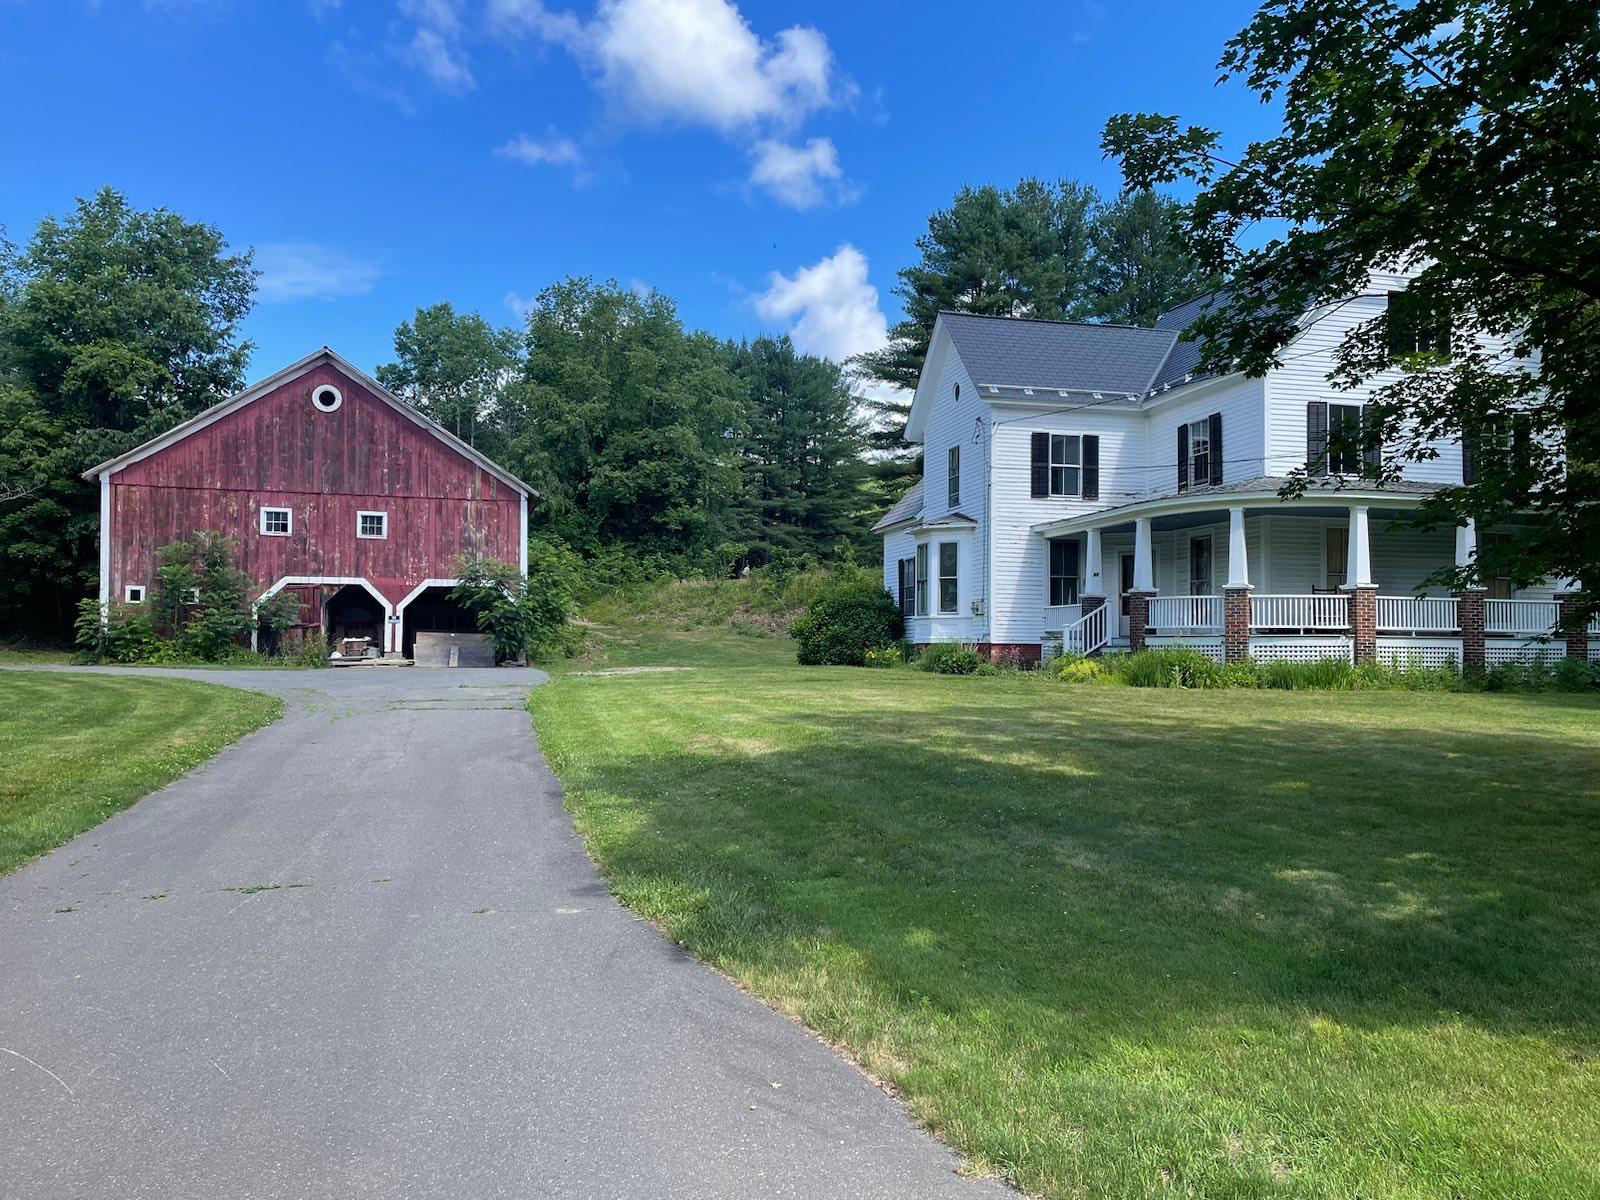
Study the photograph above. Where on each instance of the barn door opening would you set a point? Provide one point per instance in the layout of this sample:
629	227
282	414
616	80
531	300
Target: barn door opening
353	612
434	612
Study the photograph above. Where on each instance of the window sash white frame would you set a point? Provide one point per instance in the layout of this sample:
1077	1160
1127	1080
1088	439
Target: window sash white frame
1345	449
128	590
922	580
954	579
1200	452
906	581
288	521
952	463
383	517
1071	584
1059	461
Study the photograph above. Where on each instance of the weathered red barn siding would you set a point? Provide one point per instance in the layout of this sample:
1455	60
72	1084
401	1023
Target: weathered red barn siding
281	451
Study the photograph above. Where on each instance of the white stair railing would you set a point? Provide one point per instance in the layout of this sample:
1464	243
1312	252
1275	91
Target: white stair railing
1317	611
1187	614
1532	618
1412	614
1087	634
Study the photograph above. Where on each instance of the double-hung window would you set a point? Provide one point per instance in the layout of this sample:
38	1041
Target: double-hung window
1066	464
922	580
277	522
953	476
907	585
372	524
1200	451
1344	439
1414	330
949	594
1065	576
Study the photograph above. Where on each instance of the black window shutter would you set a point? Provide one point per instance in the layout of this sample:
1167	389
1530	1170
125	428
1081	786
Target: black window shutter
1040	474
1183	458
1216	449
1317	438
1091	466
1469	458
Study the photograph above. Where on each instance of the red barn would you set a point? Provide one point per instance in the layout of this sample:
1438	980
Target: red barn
333	487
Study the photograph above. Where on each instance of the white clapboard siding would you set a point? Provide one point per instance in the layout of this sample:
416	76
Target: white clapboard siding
1242	405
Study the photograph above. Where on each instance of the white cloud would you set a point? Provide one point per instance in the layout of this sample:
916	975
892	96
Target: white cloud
801	176
557	151
696	61
830	307
435	47
520	305
306	271
440	60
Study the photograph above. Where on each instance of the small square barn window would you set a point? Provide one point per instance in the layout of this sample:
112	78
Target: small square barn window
372	524
276	521
133	593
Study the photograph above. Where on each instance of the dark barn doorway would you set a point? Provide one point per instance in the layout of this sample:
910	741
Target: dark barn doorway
353	612
433	612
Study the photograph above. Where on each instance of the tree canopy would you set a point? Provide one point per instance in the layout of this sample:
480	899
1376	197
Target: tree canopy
115	324
1456	139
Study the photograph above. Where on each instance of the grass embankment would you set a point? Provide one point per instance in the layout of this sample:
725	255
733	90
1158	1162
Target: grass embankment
1122	942
693	622
78	748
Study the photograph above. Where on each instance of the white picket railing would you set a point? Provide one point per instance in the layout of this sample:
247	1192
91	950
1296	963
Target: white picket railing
1188	613
1411	614
1529	617
1086	635
1300	612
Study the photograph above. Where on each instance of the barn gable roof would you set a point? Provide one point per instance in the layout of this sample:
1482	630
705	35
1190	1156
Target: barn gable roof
293	371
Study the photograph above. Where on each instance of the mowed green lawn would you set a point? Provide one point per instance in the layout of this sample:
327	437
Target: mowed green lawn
1123	943
76	748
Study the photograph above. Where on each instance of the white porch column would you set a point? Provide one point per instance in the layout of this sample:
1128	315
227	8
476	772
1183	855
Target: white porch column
1238	564
1358	566
1093	585
1144	575
1466	543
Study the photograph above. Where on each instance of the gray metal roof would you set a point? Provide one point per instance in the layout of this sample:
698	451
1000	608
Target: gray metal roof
907	508
1185	356
1018	352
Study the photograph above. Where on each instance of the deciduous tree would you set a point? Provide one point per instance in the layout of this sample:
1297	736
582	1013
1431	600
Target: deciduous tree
1455	138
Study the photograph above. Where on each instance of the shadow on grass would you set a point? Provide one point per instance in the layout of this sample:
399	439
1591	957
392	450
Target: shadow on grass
1135	876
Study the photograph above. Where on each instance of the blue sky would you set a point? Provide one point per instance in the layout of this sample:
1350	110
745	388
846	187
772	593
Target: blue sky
767	164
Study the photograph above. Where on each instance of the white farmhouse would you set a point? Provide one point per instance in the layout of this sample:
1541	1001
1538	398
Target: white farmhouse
1085	486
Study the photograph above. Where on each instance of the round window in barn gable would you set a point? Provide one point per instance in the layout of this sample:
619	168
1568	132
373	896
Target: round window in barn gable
326	397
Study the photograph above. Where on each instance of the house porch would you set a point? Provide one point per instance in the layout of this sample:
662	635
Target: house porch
1305	579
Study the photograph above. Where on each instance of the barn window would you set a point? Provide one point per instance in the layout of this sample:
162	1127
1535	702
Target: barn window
326	397
372	524
276	522
133	593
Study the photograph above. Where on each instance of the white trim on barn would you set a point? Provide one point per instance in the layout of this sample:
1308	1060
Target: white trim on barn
523	522
105	547
383	523
398	623
390	623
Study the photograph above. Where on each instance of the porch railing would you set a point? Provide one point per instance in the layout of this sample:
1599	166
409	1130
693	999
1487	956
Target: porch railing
1527	617
1300	612
1188	613
1409	614
1087	634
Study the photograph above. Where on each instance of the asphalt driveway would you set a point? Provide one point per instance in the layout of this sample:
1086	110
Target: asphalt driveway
362	953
